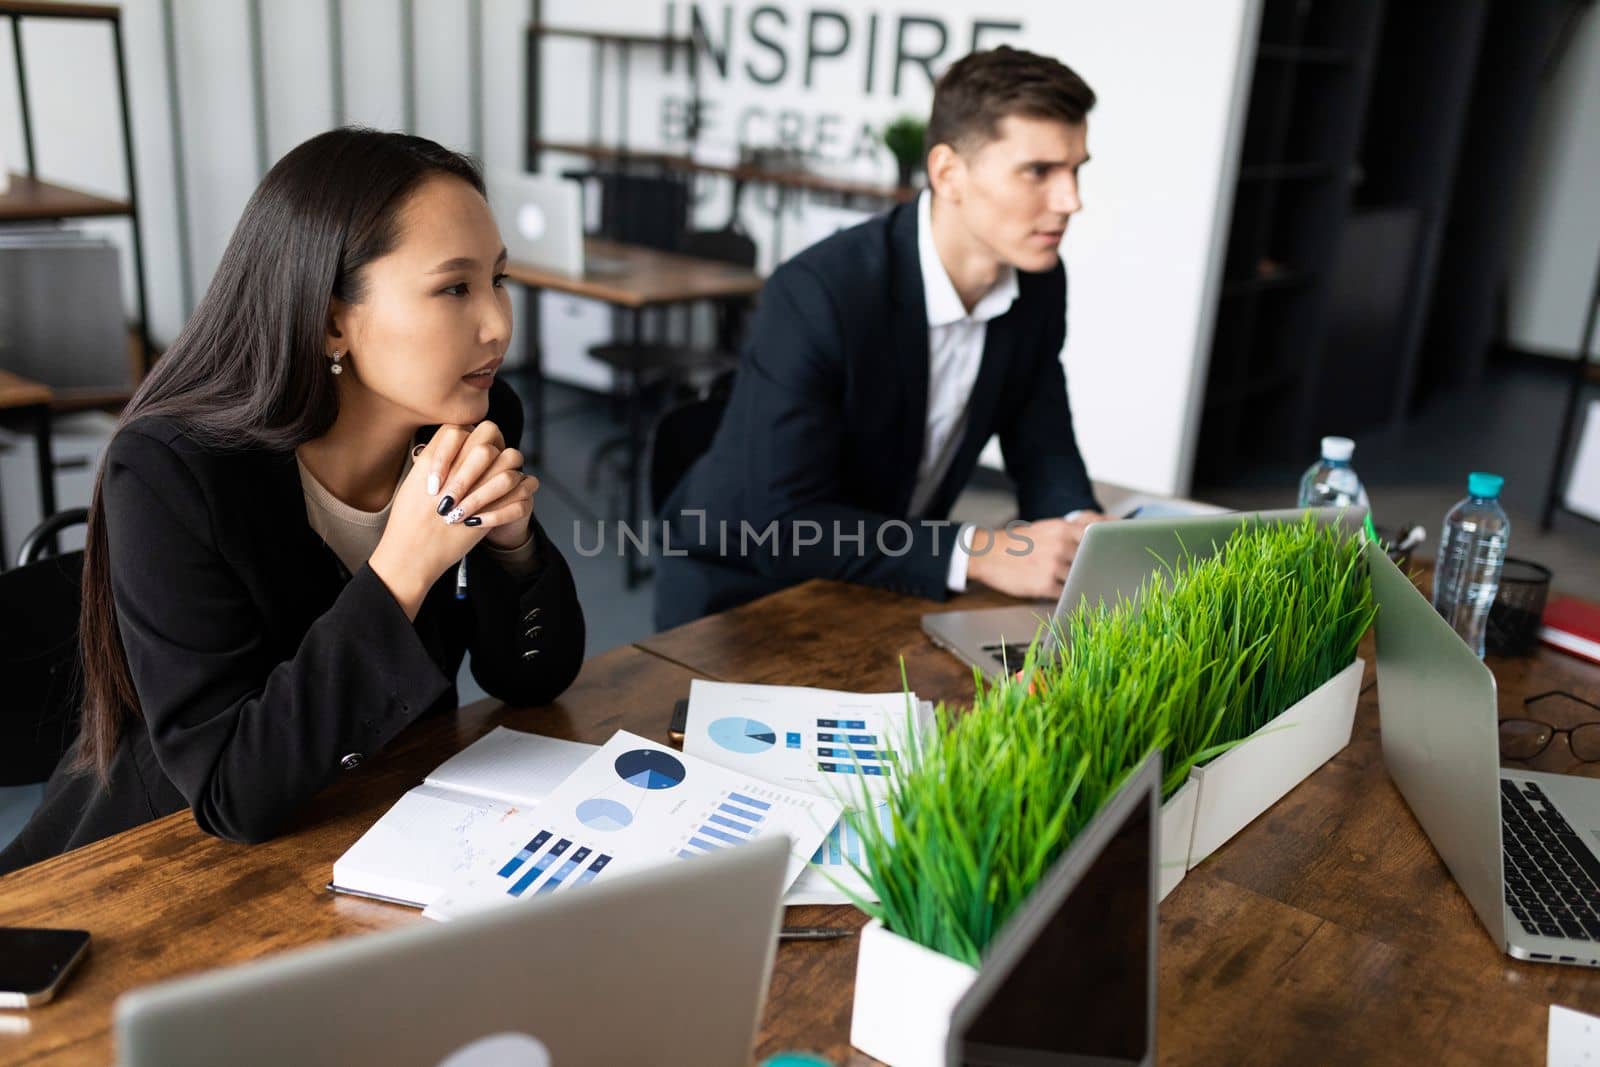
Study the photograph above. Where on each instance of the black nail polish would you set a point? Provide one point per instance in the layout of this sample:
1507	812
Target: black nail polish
474	521
446	504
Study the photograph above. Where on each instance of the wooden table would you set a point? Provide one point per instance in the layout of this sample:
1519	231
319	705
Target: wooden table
165	899
641	278
1327	932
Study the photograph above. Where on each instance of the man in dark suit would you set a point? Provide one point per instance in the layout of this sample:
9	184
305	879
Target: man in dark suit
883	358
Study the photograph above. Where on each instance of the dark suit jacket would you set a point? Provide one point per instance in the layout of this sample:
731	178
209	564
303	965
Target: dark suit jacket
826	425
263	669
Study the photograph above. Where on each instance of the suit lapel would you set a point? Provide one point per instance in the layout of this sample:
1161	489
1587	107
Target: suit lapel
910	330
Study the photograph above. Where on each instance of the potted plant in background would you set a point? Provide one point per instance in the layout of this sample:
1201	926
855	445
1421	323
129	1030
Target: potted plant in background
903	137
1206	654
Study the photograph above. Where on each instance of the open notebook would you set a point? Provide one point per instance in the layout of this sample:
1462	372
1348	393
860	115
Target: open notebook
439	828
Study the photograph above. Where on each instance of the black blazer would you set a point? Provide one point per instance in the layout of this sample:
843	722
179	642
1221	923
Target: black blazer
263	669
826	425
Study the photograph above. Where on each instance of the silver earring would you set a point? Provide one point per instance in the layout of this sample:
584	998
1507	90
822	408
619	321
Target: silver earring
337	368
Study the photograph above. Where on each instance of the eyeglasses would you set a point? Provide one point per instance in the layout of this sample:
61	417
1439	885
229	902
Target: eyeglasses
1526	738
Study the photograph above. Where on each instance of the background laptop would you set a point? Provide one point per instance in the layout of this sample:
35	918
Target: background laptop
1113	559
667	967
1521	844
541	222
1071	979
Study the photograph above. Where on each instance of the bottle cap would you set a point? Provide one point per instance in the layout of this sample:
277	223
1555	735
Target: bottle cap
1481	483
1338	449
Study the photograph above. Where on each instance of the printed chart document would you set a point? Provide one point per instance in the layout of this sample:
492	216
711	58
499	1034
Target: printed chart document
443	825
1574	1039
631	805
844	746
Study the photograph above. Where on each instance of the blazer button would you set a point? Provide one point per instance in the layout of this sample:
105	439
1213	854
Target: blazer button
532	631
532	652
351	761
530	616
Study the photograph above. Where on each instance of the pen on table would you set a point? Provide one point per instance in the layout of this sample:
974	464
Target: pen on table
814	933
461	579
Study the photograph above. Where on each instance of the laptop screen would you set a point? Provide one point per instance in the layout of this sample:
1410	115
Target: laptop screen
1080	989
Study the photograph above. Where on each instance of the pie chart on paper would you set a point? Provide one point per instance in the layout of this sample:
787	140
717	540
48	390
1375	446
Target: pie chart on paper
745	736
649	769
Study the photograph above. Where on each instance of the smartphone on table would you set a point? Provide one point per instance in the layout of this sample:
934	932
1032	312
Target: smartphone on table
35	962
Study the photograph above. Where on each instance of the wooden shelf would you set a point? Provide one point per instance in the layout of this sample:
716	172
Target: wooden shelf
29	199
645	40
8	8
790	179
19	392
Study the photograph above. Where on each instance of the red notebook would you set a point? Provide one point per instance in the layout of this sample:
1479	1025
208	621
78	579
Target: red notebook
1573	626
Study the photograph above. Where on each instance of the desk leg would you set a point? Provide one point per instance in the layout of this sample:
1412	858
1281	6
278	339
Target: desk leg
634	572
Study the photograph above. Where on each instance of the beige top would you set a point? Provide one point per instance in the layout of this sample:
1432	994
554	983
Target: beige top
354	534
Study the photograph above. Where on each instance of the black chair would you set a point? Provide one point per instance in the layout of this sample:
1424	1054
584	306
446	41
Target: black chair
641	208
681	435
39	655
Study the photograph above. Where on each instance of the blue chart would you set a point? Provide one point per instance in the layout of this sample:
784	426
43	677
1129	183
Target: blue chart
844	842
643	768
839	751
649	769
560	861
603	813
735	820
745	736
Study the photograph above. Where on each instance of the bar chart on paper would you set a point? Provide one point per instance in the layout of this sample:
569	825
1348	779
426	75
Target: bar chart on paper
830	743
835	864
737	818
635	804
550	861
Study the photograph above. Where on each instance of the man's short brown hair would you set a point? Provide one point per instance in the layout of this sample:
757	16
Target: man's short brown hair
980	89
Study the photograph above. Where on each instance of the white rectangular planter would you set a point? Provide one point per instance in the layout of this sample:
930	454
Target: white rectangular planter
1177	828
1249	778
904	996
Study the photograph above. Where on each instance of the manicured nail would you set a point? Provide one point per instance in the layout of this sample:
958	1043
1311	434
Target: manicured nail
474	521
446	504
454	517
433	485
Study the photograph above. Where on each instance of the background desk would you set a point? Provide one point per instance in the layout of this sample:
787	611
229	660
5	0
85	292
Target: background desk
642	278
1326	932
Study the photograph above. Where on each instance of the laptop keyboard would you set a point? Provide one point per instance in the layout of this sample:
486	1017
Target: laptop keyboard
1008	655
1552	879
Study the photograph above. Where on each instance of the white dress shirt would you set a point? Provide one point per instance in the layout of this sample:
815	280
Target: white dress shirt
955	351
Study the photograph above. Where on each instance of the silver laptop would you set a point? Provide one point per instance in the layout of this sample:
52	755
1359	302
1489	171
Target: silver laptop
667	967
1521	844
1071	978
541	222
1113	559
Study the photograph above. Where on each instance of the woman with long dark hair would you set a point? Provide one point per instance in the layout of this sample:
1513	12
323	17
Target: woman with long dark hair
270	586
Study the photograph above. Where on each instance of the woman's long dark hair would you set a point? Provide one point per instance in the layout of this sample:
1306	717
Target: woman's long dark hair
250	368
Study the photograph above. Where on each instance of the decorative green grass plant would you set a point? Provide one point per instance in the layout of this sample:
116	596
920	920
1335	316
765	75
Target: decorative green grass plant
1208	652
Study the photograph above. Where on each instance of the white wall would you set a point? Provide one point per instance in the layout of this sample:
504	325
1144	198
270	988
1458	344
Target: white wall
1143	258
1557	244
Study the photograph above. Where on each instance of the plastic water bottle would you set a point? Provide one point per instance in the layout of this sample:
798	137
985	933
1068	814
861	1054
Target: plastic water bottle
1331	482
1472	549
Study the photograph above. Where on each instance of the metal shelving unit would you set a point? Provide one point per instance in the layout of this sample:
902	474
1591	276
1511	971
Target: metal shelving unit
31	199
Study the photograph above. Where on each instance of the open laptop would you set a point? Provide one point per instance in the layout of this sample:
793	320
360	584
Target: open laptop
1520	844
1071	979
1113	559
667	967
541	222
